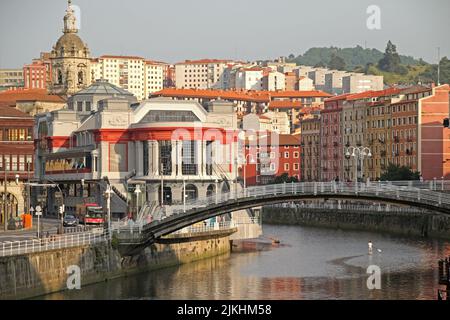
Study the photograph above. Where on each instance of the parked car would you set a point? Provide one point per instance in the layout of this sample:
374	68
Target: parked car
70	221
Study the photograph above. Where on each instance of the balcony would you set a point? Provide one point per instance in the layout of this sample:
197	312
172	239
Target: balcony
358	143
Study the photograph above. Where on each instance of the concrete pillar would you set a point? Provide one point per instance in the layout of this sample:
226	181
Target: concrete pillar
174	158
139	156
154	156
199	157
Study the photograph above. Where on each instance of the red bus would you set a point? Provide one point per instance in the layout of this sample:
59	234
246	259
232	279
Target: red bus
90	213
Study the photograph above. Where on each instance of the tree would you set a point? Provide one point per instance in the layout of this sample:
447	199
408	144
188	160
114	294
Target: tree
284	178
291	56
399	173
391	60
320	64
336	62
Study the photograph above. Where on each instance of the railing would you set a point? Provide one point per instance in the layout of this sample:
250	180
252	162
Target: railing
224	225
348	207
413	191
11	248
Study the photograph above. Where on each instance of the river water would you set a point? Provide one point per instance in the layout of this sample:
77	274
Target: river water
310	263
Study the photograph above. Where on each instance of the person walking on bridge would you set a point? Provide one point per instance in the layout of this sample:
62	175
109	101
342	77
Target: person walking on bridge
370	246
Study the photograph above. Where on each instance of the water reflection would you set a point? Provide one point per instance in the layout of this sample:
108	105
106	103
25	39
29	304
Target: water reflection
317	264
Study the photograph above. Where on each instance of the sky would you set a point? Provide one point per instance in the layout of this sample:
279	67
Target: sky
175	30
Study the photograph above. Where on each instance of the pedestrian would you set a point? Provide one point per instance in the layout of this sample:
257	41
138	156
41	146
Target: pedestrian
370	246
336	179
421	178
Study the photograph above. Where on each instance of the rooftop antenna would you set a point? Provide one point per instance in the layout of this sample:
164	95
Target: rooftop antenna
439	66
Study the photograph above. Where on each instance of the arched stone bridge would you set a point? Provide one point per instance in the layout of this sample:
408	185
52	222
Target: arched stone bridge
408	193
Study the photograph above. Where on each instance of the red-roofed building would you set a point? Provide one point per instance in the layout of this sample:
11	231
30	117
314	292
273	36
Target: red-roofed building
31	101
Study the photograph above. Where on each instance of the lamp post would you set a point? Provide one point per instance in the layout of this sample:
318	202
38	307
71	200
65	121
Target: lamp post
217	189
62	204
28	186
137	190
252	161
108	208
358	153
184	195
5	192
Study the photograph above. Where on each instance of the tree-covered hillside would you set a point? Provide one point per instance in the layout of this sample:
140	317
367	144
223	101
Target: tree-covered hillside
353	57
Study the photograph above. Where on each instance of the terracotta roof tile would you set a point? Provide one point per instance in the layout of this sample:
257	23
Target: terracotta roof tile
12	96
6	111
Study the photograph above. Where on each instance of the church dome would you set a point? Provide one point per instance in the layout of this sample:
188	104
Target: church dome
70	41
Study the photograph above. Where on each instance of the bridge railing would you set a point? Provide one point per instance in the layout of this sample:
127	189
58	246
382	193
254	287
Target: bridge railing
11	248
416	191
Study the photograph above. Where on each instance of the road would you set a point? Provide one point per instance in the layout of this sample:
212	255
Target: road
47	225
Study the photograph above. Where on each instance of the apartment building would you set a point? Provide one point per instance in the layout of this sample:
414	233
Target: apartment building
269	121
38	74
332	148
274	81
268	157
154	76
11	78
137	75
126	72
200	74
333	81
310	144
250	78
317	75
357	83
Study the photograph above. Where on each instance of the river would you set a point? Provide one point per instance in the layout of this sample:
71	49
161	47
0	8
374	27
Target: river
310	263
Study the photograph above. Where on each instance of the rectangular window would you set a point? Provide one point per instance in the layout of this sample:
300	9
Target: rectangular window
286	167
189	158
286	155
165	156
79	105
88	105
296	154
21	163
295	166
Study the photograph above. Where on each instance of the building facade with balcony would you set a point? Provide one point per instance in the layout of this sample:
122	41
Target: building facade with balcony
16	160
166	147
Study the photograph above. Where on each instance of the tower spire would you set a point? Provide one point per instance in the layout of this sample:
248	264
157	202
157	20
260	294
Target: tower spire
70	21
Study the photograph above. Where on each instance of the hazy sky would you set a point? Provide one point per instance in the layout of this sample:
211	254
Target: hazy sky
174	30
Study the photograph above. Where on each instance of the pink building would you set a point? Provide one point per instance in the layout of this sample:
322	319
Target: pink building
434	143
332	149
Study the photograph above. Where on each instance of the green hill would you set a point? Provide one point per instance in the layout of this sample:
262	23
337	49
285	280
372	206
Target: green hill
353	57
409	70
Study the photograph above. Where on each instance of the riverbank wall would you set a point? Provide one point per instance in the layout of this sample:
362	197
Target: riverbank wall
39	273
433	225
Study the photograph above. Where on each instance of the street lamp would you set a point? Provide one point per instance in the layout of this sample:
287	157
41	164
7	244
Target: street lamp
358	153
137	190
108	208
252	161
61	208
184	195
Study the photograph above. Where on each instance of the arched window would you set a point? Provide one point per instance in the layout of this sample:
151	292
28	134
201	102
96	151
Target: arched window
211	190
60	79
167	195
80	77
191	192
